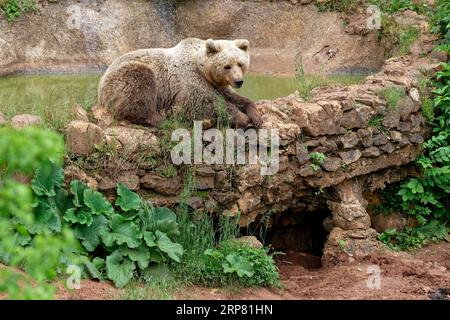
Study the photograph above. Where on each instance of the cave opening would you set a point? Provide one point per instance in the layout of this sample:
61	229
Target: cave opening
300	236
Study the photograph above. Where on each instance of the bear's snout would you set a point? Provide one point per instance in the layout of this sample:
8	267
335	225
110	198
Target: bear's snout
239	83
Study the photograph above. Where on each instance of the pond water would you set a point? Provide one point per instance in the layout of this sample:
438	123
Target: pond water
52	96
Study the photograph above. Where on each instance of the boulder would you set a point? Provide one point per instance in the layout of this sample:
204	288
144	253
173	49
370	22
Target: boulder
83	137
74	173
130	140
169	186
130	180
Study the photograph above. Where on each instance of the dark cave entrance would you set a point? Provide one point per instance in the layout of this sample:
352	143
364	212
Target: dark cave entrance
301	235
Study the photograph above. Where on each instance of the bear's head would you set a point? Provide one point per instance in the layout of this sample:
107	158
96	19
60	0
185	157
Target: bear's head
226	62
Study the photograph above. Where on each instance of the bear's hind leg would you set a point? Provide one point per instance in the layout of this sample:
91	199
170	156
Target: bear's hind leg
131	93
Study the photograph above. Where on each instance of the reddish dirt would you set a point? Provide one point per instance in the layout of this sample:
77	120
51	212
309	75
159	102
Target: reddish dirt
403	276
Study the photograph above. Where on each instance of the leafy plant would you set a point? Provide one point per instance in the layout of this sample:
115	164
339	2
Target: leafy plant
133	238
232	263
212	257
14	8
26	234
414	238
317	159
426	197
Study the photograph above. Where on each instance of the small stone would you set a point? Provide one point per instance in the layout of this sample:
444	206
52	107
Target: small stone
348	141
130	180
195	203
392	118
248	202
365	136
417	120
399	138
130	140
406	106
75	173
329	146
380	139
163	185
414	94
220	179
416	138
306	171
331	164
106	184
204	171
388	147
204	183
79	113
311	143
82	137
404	126
350	156
25	120
371	152
302	153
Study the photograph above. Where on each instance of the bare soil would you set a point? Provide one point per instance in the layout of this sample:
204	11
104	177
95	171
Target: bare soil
420	275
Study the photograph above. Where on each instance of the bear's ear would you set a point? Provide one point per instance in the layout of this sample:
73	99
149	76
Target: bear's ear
242	44
211	47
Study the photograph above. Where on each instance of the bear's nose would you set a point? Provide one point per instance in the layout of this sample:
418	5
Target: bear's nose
239	83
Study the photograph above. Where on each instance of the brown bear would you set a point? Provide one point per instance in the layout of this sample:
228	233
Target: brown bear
143	85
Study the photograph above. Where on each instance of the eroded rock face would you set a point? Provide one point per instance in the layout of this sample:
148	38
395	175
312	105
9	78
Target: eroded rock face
91	34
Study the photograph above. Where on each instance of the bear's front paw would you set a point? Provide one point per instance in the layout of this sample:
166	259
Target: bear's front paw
255	118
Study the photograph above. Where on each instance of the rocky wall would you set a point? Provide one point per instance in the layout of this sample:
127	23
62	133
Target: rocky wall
86	35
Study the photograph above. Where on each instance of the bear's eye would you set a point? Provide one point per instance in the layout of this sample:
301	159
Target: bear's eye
227	67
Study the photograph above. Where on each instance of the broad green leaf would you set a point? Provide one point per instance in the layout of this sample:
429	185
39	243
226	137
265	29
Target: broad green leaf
90	235
122	231
91	269
164	220
63	201
239	265
119	269
156	255
77	189
127	199
141	255
97	202
76	215
46	218
48	177
173	250
216	254
150	239
99	263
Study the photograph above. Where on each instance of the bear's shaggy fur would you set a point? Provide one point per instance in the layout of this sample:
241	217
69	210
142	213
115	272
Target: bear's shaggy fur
196	75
